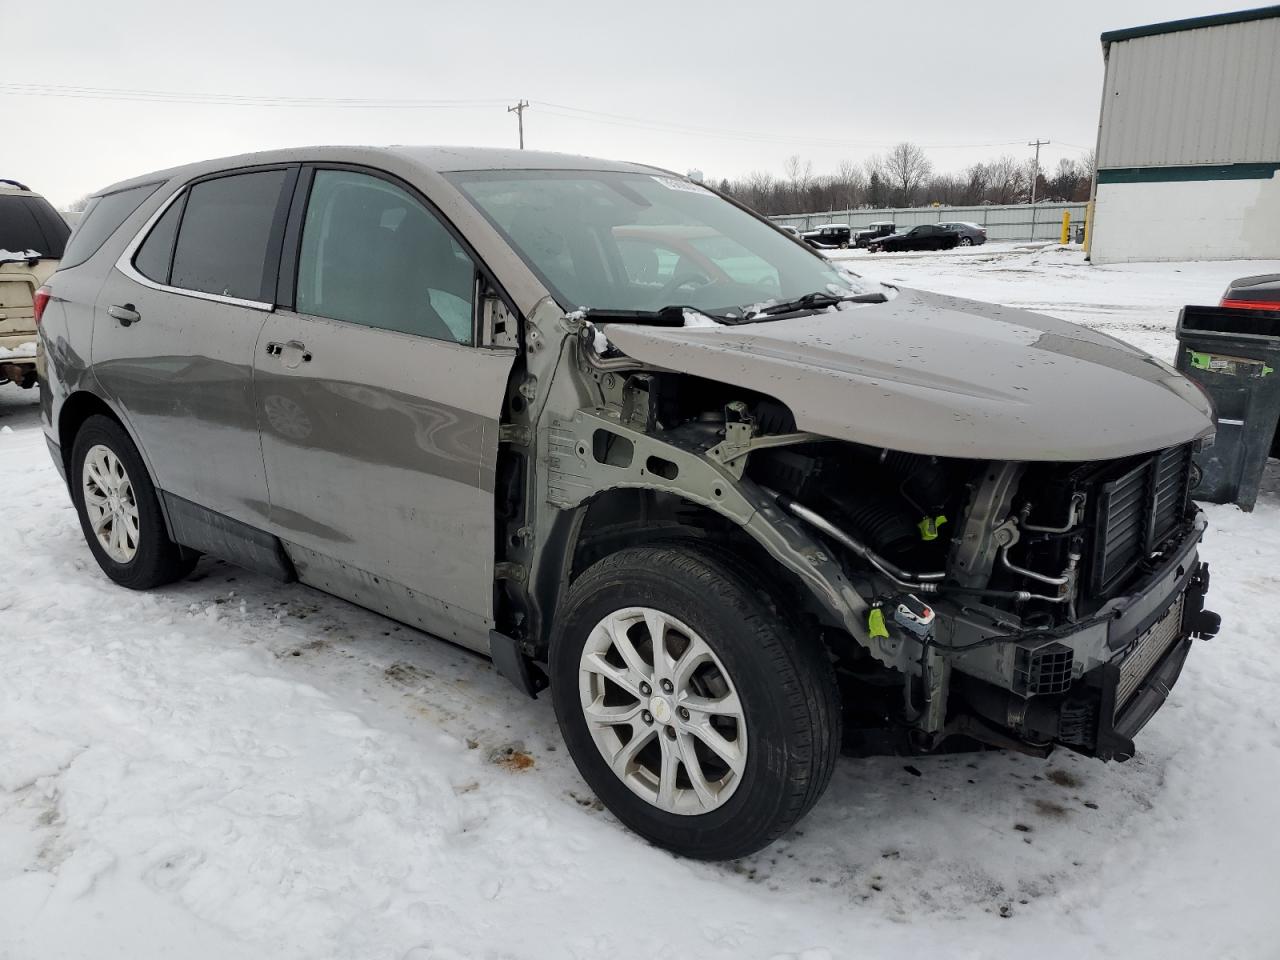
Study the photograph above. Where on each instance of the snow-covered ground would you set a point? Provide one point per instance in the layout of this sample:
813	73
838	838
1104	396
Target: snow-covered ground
230	768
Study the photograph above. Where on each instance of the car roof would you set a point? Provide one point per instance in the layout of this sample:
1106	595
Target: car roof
436	159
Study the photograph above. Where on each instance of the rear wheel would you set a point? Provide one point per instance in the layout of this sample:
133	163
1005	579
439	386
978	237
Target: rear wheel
966	241
119	512
691	706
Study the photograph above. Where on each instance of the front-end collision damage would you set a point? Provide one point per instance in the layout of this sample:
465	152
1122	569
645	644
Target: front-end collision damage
986	587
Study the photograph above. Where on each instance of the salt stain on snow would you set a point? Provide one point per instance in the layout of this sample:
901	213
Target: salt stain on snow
268	772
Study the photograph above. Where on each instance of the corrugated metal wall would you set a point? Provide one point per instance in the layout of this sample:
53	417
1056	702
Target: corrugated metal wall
1022	221
1210	95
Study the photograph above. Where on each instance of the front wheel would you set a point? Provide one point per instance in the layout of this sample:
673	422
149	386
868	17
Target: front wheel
690	704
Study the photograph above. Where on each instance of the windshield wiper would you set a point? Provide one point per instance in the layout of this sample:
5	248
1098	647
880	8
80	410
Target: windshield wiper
815	301
668	316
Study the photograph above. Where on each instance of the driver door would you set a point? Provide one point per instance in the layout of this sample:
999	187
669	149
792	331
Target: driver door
378	415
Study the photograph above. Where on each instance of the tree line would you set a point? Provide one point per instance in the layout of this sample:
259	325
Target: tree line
904	177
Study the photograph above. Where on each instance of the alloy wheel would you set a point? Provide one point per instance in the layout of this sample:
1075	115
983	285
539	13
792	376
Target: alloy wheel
663	711
110	503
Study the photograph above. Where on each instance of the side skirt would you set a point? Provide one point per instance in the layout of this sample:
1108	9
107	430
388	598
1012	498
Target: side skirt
214	533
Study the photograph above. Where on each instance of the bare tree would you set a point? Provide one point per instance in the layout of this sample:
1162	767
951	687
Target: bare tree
907	168
850	184
1007	180
977	183
799	173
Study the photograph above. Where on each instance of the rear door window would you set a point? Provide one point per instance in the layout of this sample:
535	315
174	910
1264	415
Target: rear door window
155	256
224	244
372	254
101	218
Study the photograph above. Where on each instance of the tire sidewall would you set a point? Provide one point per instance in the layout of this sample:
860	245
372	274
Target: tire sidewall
99	430
755	801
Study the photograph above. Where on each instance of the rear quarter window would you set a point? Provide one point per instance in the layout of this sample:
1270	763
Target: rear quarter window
102	217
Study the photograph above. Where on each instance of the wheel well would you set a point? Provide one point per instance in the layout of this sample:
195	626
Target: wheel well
76	409
619	518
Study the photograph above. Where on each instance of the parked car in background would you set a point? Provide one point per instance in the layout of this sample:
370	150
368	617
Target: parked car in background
828	235
32	238
1261	292
927	236
595	421
970	233
880	228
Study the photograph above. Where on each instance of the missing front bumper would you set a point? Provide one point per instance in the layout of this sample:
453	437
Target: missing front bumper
1104	710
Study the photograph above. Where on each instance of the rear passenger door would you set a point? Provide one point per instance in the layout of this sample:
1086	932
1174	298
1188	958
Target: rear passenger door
379	414
175	331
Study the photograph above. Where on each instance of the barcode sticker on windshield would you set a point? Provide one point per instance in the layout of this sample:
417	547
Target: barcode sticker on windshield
688	186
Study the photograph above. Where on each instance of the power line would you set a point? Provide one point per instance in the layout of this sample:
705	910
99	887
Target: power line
384	103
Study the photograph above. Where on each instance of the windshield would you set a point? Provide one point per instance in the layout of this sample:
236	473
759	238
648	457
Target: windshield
638	242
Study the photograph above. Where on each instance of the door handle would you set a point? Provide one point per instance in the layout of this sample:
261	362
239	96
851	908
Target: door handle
127	314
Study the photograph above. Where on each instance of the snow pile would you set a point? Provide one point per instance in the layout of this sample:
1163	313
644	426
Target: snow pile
231	768
23	351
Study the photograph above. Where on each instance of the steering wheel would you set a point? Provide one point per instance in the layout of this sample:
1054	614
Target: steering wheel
677	282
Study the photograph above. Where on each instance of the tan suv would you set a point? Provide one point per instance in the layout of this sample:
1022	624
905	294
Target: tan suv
32	238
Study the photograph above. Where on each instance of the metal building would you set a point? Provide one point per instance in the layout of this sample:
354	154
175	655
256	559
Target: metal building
1189	140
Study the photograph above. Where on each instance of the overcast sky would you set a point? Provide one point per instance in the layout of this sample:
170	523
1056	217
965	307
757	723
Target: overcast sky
726	88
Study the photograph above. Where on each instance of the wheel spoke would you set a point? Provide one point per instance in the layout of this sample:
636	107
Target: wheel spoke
626	649
726	706
726	750
696	654
599	712
626	755
667	773
624	678
656	624
693	769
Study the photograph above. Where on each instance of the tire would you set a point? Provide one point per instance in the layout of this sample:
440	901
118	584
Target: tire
966	241
844	244
102	447
784	741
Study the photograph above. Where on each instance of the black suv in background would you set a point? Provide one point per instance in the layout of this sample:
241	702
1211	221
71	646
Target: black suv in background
828	235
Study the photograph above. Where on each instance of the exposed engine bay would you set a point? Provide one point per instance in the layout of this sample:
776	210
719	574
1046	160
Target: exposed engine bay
962	600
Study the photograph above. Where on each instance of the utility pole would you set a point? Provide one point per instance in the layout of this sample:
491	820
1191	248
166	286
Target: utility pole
1035	167
519	110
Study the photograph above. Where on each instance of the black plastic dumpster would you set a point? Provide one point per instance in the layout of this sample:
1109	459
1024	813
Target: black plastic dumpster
1235	355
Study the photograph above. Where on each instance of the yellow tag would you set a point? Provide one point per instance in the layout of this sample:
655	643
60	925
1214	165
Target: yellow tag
929	527
875	623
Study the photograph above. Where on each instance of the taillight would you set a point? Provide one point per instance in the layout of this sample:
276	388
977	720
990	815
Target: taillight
40	301
1250	304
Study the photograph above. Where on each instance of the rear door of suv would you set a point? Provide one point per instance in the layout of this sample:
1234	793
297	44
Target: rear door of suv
175	330
379	413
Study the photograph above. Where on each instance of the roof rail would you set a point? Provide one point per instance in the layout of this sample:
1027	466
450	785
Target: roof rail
20	186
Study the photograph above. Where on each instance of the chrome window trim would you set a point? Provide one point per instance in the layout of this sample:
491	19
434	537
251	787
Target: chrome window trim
125	264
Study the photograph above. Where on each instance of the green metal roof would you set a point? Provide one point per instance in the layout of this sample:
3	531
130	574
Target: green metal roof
1192	23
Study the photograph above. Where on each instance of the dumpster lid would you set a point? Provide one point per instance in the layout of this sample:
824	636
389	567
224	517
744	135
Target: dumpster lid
1262	326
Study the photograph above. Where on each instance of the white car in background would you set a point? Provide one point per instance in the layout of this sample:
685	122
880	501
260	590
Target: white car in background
32	238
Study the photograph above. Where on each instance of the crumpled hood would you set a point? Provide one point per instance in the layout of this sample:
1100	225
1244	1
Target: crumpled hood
940	375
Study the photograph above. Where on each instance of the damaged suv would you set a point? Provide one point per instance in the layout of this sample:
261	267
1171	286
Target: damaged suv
736	506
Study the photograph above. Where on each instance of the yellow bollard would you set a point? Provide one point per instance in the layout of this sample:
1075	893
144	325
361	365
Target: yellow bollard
1066	227
1088	227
